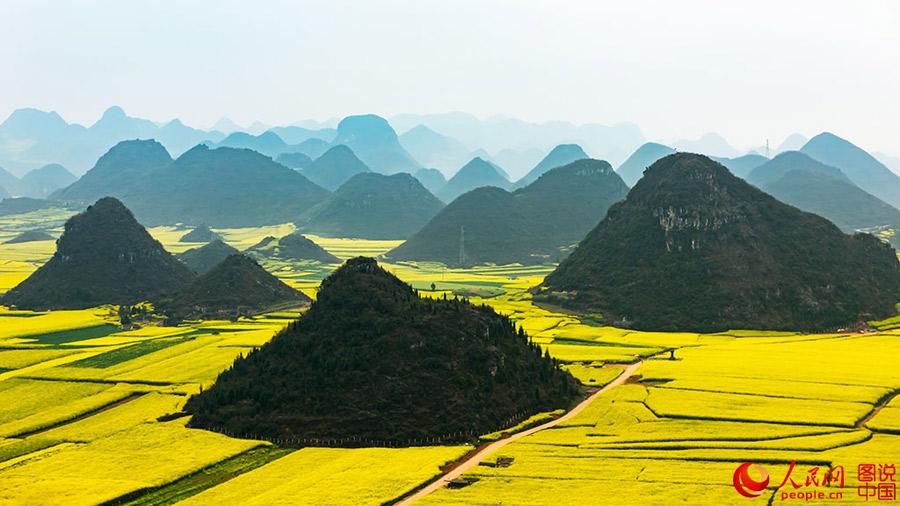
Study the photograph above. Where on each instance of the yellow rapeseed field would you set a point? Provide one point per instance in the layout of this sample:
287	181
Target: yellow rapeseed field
83	399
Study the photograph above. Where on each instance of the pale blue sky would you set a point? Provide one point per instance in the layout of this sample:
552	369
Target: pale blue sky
748	70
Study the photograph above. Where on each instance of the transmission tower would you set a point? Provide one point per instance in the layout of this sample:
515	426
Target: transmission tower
462	246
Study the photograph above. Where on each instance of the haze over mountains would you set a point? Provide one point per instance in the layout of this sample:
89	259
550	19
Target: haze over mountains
219	187
795	178
117	170
334	167
861	167
530	225
374	141
633	168
239	184
475	174
373	206
495	134
563	154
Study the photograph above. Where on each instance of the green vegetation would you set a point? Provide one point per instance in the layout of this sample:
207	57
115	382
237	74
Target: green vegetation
373	206
204	258
201	233
633	168
116	171
695	248
294	160
236	286
291	247
798	180
22	205
564	154
124	354
31	236
222	187
334	168
861	167
73	335
372	361
206	478
532	225
104	257
41	182
781	165
475	174
432	179
742	165
267	143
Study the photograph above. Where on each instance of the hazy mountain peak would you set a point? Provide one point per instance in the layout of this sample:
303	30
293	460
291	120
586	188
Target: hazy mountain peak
560	155
376	143
632	169
861	167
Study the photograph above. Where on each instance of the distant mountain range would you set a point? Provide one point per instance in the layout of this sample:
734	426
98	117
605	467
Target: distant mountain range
891	162
334	167
710	144
30	138
563	154
475	174
432	149
117	170
376	143
373	206
43	181
432	179
792	142
223	187
535	224
37	183
741	166
613	143
861	167
795	178
633	168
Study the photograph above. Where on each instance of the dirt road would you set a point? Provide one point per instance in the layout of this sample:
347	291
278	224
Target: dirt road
475	458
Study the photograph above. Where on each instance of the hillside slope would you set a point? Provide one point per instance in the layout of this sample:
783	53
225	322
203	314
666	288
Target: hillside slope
696	248
372	361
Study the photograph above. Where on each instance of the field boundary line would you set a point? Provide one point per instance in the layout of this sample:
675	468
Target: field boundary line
477	457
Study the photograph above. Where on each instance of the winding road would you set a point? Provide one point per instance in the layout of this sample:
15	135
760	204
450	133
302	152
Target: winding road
476	458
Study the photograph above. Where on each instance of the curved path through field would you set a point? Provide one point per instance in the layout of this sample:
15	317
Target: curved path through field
475	458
